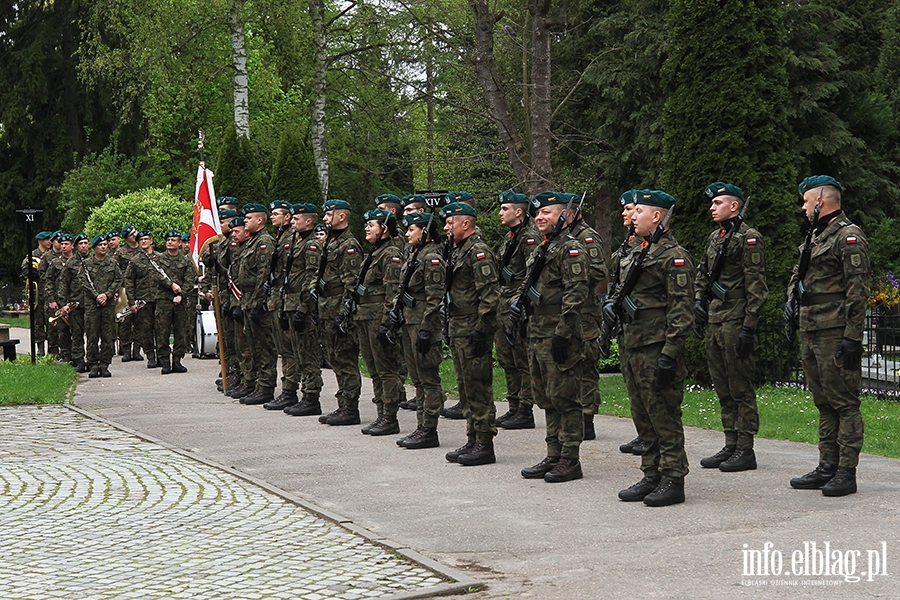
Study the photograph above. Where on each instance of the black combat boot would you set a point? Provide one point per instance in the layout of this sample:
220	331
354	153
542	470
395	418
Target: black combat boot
177	367
258	397
411	437
428	438
667	493
842	484
241	390
480	454
542	468
152	362
628	448
126	355
638	447
287	398
95	372
814	480
308	407
523	419
324	418
376	423
136	353
104	371
453	455
743	459
713	462
589	433
82	366
567	469
639	490
166	365
347	416
454	412
507	415
388	426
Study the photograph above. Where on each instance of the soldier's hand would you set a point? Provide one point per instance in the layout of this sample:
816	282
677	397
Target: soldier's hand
177	299
479	343
283	320
701	312
176	288
851	351
442	311
745	342
237	313
208	295
384	335
609	313
395	319
559	349
297	321
516	312
790	311
256	315
666	370
101	299
54	306
267	287
423	341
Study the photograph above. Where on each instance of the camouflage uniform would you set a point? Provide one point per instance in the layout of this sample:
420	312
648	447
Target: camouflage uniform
519	243
247	361
382	276
100	321
217	258
834	307
70	291
255	262
40	316
141	284
664	296
127	328
59	335
284	246
591	318
563	291
168	316
475	296
743	279
300	309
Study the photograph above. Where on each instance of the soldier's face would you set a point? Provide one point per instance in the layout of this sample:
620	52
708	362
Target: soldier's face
83	247
66	248
173	243
413	208
56	247
547	217
44	245
414	234
280	217
240	234
255	222
320	235
723	208
810	199
373	231
114	243
101	249
627	212
145	243
390	207
645	219
329	217
510	214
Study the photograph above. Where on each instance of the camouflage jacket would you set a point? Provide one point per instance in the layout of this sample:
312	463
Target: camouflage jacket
69	287
124	254
475	293
559	294
380	283
287	239
178	269
343	256
253	267
597	274
616	273
837	282
425	292
53	286
520	242
304	266
743	278
664	297
142	279
105	278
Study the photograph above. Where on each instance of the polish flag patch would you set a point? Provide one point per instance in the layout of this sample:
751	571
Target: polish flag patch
435	261
573	252
678	262
351	251
751	241
395	259
287	246
589	240
233	244
313	248
262	246
480	255
851	239
530	241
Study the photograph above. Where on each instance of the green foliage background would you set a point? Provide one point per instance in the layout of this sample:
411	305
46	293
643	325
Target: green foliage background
156	209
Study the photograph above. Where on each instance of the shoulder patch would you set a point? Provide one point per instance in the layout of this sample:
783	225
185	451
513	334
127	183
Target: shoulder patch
262	246
313	247
573	252
233	244
351	251
530	241
678	262
435	261
589	240
851	239
480	255
751	241
287	246
395	259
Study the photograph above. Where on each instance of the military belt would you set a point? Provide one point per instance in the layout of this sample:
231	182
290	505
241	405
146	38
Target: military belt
373	299
330	293
462	311
649	313
547	309
724	294
813	299
411	300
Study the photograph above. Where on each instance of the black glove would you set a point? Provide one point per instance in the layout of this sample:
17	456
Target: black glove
479	343
423	341
745	342
442	311
559	349
852	352
237	313
226	310
790	311
701	312
395	319
516	312
384	335
297	321
283	320
666	370
609	314
256	315
267	287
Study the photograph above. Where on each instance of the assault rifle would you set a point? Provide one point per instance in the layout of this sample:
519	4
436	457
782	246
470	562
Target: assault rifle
282	291
713	288
345	317
792	323
319	285
448	283
529	293
396	315
619	306
615	279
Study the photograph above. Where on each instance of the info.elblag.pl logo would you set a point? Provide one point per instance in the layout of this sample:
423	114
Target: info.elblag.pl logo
828	565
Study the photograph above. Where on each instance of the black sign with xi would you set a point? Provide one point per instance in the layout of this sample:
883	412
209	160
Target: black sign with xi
29	216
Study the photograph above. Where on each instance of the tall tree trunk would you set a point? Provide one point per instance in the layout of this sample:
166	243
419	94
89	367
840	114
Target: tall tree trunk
541	113
320	79
239	63
69	46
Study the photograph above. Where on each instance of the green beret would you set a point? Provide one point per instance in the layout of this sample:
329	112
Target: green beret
114	233
720	188
283	204
144	233
98	239
80	237
815	181
237	222
335	204
386	199
377	214
253	207
457	209
413	199
223	200
629	197
458	196
228	213
43	235
305	209
547	199
657	198
55	235
513	198
172	233
128	230
320	227
419	218
186	237
65	238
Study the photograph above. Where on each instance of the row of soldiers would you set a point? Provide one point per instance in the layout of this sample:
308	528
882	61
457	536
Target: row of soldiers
82	280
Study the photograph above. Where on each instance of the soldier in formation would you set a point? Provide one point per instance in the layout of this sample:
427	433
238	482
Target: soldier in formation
100	280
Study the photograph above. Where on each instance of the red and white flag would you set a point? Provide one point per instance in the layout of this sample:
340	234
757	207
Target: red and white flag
206	228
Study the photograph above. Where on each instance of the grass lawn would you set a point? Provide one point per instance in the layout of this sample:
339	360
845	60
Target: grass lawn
23	322
41	383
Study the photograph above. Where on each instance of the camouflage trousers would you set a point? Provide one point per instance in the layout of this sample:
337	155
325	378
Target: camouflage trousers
835	393
171	319
60	337
41	313
144	321
290	368
232	360
260	335
306	342
242	349
100	327
656	412
514	362
557	390
475	380
128	334
54	338
76	330
732	378
424	368
383	365
590	378
343	354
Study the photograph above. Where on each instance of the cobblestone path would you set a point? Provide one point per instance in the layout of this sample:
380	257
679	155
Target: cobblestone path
90	512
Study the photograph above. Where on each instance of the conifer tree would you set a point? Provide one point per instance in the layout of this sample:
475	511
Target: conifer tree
294	177
237	173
